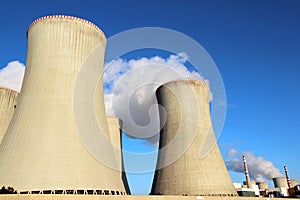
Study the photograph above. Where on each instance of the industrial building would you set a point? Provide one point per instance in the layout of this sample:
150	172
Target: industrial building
283	186
188	129
249	187
8	103
41	151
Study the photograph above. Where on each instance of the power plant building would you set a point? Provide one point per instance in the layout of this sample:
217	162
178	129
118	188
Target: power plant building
8	101
184	135
42	151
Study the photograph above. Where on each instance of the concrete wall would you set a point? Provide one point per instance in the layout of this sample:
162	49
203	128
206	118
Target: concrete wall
42	149
185	134
8	101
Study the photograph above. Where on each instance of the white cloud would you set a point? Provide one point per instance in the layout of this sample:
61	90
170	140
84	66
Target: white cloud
259	168
231	152
12	75
131	86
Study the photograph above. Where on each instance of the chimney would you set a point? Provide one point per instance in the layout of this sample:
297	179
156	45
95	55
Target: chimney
287	177
246	173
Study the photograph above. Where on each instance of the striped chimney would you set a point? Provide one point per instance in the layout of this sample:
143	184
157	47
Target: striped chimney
246	172
287	177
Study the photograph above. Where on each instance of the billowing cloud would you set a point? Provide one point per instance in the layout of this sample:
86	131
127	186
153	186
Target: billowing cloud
12	75
130	90
259	168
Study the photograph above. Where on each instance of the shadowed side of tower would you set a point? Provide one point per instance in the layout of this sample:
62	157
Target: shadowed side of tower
185	133
42	150
8	101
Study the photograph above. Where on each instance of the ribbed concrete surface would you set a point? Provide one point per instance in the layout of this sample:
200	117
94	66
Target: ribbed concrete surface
8	101
129	197
42	149
187	127
114	126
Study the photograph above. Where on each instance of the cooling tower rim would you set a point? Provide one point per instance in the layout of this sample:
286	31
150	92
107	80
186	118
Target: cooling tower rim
278	177
6	88
114	117
186	80
111	116
66	17
261	182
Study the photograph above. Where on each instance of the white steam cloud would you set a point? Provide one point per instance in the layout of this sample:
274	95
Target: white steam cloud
12	75
131	85
259	168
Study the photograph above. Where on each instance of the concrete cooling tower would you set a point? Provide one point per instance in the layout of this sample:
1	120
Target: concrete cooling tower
42	151
294	182
8	101
280	182
114	127
184	135
263	185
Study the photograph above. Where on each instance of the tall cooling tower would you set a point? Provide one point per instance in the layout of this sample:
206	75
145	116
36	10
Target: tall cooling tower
186	104
280	182
114	127
263	185
42	151
8	100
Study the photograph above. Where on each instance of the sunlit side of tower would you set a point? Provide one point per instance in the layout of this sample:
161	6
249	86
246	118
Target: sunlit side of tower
8	101
115	132
187	128
42	150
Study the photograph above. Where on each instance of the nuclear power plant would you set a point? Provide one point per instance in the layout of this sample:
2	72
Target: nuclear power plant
283	186
41	151
42	154
8	101
186	103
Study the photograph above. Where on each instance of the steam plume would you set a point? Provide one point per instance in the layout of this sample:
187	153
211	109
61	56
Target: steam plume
259	167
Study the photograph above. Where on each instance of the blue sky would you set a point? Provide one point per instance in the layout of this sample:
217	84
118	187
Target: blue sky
255	45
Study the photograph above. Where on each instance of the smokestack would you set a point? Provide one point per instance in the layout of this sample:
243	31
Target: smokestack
287	177
246	172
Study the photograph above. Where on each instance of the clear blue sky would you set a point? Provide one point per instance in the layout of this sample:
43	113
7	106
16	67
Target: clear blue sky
255	44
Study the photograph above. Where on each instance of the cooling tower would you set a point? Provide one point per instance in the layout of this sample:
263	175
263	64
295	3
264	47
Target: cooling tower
294	182
280	182
114	127
263	185
186	104
42	151
8	100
